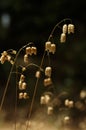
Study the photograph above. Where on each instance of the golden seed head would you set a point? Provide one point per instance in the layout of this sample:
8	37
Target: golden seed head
25	95
42	100
50	110
37	75
64	28
20	95
23	68
47	82
24	85
48	71
66	119
20	84
12	62
47	46
70	28
14	51
71	104
26	58
28	50
53	48
33	50
22	77
66	102
4	53
63	38
8	57
47	99
83	94
2	59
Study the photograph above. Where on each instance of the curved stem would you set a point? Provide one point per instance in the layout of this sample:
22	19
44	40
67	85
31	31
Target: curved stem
35	89
57	25
4	94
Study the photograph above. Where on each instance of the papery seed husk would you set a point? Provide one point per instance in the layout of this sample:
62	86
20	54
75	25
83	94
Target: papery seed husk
37	75
53	48
64	28
47	46
63	38
26	58
48	71
28	50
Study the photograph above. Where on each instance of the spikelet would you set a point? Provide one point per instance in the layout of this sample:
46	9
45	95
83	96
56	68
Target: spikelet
21	95
33	50
42	100
64	28
37	75
48	71
24	85
63	38
25	95
53	48
70	28
22	77
47	81
47	46
26	58
28	51
50	110
47	98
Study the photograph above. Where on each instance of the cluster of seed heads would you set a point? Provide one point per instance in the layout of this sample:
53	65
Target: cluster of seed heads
5	56
22	86
50	48
29	51
66	29
46	100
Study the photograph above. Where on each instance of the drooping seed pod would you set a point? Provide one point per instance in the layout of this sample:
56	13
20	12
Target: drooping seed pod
4	53
53	48
47	81
42	100
23	68
8	57
22	77
21	95
66	102
63	38
37	75
70	28
20	85
24	85
50	110
47	99
28	51
66	120
25	95
2	59
71	104
33	50
64	28
14	52
48	71
47	46
12	62
83	94
26	58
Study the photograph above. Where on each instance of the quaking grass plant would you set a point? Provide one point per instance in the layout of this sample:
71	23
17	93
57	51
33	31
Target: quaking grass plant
12	56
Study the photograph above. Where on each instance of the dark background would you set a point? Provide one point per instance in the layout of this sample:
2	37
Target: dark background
29	20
